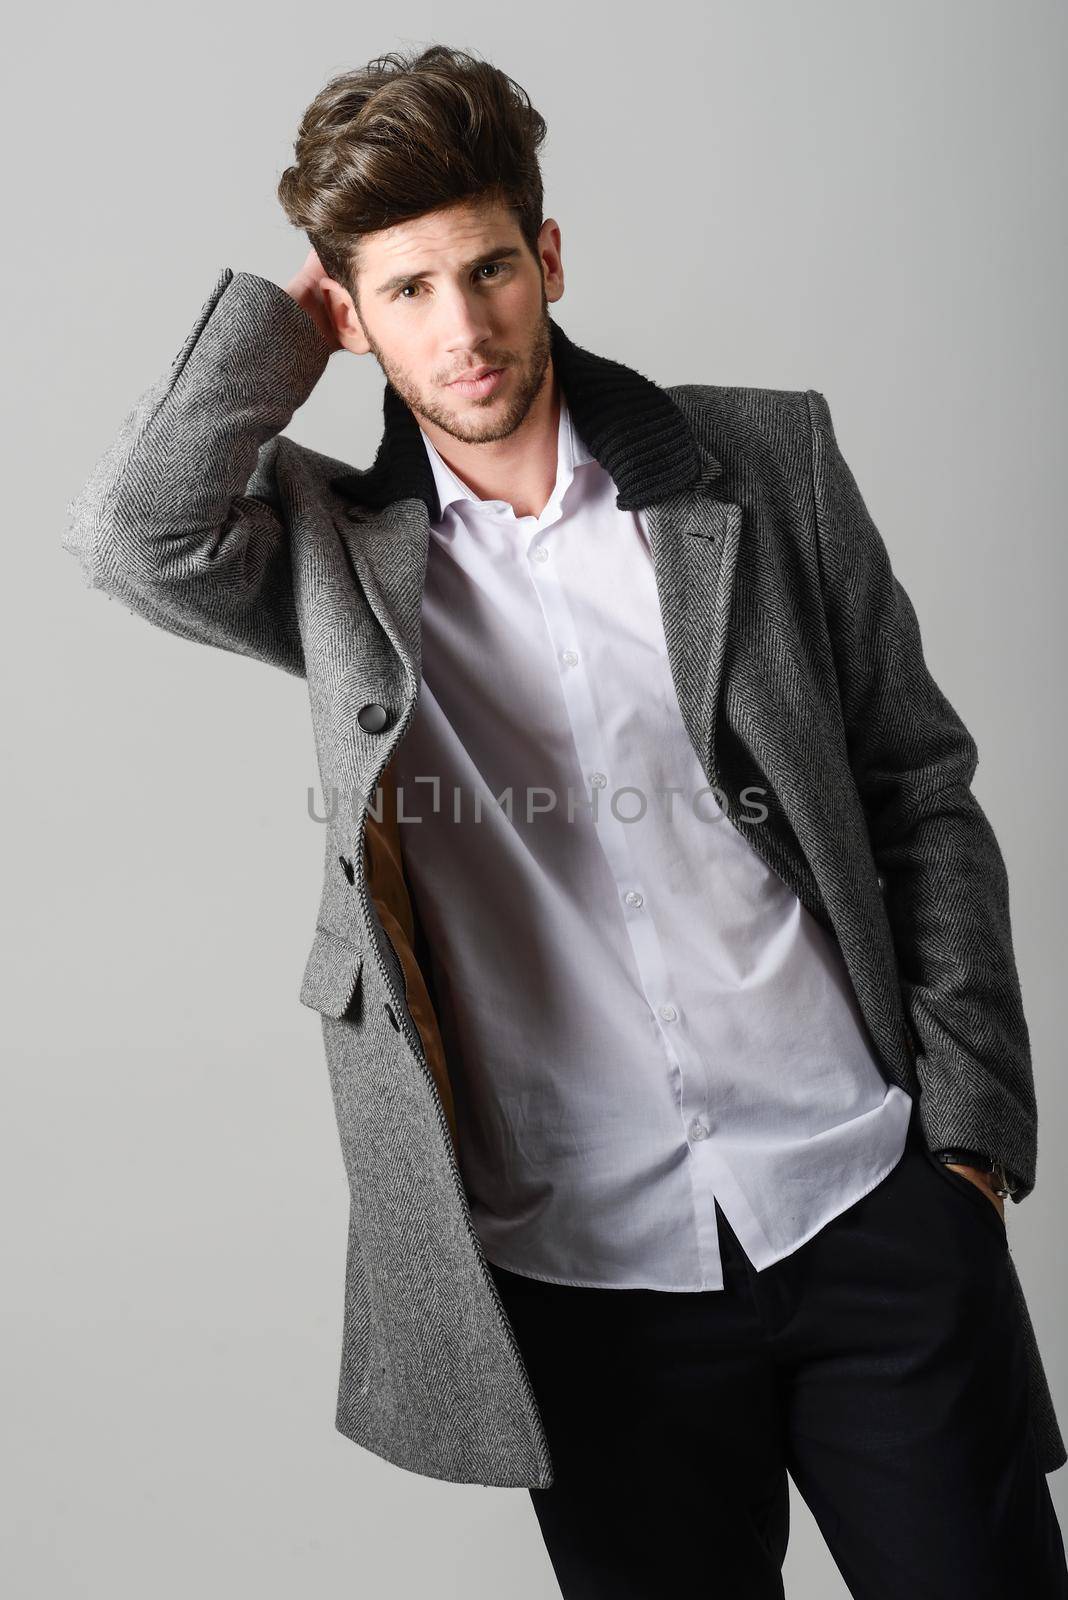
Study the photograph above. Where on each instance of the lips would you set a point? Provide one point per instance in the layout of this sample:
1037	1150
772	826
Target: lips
483	382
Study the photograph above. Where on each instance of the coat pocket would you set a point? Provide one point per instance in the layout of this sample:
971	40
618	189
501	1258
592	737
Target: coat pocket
331	973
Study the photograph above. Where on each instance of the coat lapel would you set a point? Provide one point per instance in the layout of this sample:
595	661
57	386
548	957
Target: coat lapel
695	540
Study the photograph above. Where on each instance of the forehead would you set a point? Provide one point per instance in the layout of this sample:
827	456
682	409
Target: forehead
451	232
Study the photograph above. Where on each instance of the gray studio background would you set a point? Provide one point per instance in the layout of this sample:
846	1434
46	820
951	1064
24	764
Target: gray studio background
867	199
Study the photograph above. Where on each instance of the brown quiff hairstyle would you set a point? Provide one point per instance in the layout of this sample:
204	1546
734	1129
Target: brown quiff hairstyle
404	135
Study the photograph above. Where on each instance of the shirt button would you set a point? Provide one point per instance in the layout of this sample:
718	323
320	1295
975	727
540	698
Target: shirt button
698	1130
540	554
569	656
668	1013
633	898
598	780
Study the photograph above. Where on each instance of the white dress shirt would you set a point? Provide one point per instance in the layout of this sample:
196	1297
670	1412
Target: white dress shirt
639	1016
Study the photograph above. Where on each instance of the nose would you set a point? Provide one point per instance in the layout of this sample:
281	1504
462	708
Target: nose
468	329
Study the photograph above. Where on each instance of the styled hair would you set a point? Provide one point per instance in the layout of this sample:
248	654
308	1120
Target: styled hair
404	135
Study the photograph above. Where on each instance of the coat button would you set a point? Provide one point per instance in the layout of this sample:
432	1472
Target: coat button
391	1014
347	868
354	513
372	718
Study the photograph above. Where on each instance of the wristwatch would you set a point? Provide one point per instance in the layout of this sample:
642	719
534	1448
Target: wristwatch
1004	1185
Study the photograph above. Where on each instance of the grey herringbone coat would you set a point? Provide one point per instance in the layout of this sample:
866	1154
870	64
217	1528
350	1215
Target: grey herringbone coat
797	661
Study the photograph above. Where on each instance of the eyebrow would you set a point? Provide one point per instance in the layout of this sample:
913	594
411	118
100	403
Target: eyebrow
503	252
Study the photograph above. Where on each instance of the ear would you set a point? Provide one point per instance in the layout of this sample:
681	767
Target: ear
551	259
343	315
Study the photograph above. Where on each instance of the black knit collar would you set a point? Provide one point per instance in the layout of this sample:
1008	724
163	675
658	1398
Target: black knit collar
629	423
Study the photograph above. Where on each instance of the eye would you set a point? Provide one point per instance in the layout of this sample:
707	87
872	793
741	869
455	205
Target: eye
497	268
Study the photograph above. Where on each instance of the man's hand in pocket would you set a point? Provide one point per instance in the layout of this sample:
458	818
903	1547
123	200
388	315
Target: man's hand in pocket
985	1182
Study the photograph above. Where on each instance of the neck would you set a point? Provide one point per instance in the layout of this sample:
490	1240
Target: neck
521	469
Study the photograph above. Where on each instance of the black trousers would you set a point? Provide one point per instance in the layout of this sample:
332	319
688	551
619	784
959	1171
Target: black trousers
880	1366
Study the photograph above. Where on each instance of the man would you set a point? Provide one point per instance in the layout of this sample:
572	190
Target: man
663	949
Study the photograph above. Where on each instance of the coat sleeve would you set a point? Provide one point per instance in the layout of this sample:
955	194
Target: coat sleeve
180	518
946	886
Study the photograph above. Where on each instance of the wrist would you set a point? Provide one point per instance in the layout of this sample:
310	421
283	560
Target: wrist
999	1180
